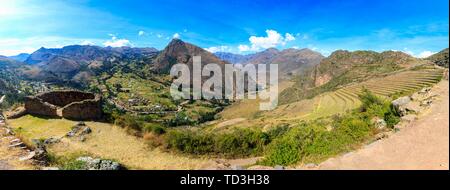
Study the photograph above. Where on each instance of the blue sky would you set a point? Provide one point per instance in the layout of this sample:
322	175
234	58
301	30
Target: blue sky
418	27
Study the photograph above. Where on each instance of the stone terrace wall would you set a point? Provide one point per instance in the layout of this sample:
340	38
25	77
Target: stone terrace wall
71	104
87	109
36	106
63	98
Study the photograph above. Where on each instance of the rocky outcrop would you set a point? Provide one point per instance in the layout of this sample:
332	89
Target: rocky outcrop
90	163
414	104
73	105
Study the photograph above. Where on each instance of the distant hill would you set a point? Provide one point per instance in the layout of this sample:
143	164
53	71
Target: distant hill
441	58
290	61
79	63
345	67
9	74
232	58
21	57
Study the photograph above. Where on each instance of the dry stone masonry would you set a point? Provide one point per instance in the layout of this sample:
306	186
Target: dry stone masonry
73	105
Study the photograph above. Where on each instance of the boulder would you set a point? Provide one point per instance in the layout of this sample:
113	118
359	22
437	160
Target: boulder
99	164
30	155
259	167
278	167
86	131
40	149
237	167
311	165
49	168
52	140
380	123
400	103
413	107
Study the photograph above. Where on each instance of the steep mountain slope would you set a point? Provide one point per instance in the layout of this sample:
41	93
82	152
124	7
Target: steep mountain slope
441	58
294	62
344	67
178	51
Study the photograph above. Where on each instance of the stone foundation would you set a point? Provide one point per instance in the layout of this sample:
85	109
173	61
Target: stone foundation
73	105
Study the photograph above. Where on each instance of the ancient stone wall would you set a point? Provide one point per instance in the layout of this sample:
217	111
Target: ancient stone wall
73	105
63	98
87	109
34	105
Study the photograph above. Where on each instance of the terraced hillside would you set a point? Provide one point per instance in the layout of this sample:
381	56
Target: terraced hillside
346	98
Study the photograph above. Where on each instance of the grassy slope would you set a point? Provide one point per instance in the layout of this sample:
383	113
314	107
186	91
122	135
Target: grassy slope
106	141
334	102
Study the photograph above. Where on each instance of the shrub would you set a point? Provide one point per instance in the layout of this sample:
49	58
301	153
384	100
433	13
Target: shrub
129	121
67	162
181	118
373	106
154	128
237	143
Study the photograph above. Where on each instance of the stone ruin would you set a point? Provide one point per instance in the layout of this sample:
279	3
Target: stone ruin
74	105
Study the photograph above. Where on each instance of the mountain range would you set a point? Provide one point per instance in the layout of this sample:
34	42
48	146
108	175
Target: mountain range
311	72
290	61
20	57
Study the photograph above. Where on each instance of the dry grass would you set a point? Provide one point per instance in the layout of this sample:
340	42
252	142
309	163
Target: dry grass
106	141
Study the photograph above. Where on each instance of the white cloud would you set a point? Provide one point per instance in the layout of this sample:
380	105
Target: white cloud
425	54
185	30
141	33
159	36
289	37
272	39
218	49
115	42
176	36
244	48
87	42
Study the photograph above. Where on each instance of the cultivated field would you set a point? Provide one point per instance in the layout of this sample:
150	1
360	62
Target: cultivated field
330	103
346	98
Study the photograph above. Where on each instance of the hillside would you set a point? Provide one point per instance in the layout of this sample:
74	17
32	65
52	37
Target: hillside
178	51
344	67
8	71
440	58
80	64
20	57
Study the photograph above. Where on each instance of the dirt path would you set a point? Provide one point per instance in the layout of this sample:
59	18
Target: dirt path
423	144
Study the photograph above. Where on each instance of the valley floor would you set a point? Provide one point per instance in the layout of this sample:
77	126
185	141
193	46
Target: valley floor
422	144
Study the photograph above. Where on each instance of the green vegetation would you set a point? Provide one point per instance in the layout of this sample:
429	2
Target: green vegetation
237	143
308	141
67	162
313	141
